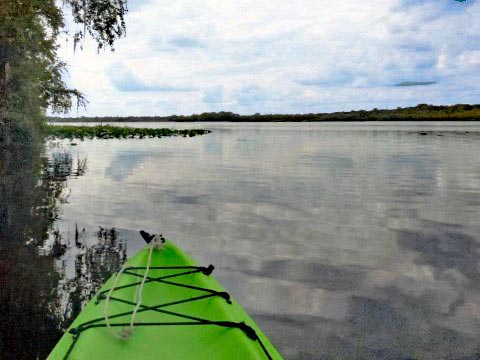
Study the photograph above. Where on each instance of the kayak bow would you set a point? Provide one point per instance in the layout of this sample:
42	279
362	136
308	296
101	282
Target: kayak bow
181	313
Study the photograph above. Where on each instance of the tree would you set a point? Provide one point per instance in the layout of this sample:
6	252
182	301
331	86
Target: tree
30	82
29	30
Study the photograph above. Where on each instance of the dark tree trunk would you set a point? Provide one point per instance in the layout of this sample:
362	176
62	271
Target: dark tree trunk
3	81
4	218
4	71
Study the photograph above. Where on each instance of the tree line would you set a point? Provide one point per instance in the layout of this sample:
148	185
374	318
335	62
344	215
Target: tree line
420	112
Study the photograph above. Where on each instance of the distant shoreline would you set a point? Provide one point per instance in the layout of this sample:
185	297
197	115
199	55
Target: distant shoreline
422	112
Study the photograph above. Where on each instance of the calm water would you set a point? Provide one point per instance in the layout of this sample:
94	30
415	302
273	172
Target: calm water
342	240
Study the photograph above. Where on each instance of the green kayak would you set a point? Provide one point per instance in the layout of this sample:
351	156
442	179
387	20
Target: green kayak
182	312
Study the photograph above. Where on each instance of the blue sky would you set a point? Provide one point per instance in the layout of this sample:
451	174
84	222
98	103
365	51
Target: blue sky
276	56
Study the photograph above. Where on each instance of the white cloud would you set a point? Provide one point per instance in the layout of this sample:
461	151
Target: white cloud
275	56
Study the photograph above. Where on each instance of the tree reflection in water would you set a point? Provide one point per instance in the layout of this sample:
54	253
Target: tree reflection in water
38	297
93	265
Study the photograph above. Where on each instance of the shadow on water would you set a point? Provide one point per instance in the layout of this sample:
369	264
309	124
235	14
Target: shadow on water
39	296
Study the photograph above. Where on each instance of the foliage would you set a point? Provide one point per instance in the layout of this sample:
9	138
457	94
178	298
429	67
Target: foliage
110	132
102	19
29	30
419	112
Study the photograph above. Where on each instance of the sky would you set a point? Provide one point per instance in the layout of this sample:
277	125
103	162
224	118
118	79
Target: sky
277	56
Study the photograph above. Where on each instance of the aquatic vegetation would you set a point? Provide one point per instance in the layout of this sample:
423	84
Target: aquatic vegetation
115	132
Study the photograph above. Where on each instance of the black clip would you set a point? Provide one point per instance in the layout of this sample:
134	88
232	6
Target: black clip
207	270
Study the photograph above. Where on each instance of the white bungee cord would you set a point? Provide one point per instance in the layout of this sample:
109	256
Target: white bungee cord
157	242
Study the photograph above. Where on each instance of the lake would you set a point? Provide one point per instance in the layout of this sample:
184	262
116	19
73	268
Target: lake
342	240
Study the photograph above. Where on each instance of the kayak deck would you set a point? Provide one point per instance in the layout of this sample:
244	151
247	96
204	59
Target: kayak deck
185	314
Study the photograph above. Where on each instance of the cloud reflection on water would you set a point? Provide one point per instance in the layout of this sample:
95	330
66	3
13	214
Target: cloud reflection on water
356	241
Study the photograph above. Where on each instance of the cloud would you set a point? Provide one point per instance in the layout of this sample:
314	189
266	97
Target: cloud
415	83
185	42
213	95
137	5
279	56
250	95
443	6
335	77
124	80
176	43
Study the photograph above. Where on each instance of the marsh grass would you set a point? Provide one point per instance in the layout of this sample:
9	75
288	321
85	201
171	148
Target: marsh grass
115	132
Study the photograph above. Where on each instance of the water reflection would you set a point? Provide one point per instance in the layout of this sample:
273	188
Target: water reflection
38	298
29	326
342	240
92	266
125	163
